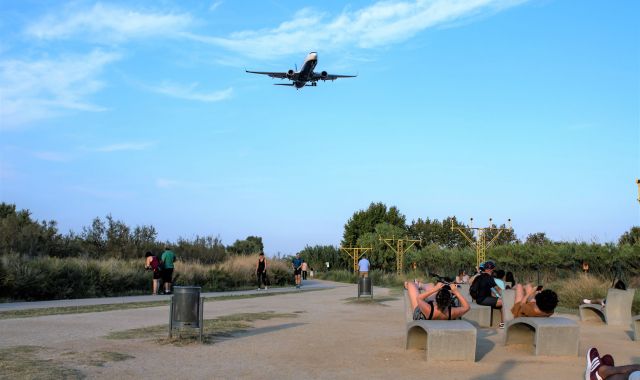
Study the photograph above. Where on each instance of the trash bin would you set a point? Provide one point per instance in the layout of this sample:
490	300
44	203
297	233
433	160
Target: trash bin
186	309
364	287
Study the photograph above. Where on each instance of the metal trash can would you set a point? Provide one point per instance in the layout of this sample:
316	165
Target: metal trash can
364	287
186	309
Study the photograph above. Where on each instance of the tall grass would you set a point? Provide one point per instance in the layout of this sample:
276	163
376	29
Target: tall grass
44	278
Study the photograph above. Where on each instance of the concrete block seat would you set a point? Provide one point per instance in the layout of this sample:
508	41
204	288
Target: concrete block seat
443	340
617	311
636	328
550	336
479	315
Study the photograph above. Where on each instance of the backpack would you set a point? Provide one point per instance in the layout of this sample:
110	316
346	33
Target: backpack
155	264
473	289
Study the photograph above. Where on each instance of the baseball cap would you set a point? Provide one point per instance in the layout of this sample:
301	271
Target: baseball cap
489	265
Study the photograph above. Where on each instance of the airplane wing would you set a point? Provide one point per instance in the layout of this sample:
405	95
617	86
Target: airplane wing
280	75
334	77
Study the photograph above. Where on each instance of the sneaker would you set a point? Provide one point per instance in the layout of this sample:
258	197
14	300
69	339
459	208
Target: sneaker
501	325
593	363
587	301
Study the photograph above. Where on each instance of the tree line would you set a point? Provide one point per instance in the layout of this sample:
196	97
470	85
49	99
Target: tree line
107	238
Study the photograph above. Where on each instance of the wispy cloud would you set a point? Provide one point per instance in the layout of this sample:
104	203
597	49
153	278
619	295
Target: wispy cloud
380	24
126	146
215	5
108	23
37	89
52	156
190	92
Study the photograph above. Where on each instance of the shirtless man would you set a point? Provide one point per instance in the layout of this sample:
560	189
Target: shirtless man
534	302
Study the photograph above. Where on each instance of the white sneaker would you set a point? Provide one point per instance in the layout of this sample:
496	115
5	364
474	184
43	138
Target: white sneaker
587	301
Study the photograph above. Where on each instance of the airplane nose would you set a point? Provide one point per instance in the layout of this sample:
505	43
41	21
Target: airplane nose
313	55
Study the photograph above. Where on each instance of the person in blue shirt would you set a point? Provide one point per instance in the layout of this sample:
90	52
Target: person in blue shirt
297	269
363	267
167	259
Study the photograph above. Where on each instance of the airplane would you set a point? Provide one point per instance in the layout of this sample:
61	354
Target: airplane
305	75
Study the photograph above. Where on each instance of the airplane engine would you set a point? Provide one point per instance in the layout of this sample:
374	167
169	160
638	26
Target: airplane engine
323	75
290	74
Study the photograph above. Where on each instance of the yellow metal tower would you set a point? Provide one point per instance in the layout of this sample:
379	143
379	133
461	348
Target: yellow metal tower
400	249
480	244
355	253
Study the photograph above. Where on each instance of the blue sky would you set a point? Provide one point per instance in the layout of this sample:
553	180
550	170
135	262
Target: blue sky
528	110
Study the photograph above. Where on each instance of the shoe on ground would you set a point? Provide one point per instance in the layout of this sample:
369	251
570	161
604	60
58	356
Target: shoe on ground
593	363
501	325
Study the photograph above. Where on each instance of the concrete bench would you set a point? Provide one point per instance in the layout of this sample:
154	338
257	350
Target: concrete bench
617	311
479	315
508	300
551	336
464	290
636	328
443	340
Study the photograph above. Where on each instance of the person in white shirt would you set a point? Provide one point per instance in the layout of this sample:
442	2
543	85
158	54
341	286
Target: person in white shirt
363	267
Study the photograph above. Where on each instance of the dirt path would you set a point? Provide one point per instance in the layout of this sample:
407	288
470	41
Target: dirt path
332	337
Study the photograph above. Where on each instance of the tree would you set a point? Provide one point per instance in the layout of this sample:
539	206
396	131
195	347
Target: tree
381	256
631	237
439	233
507	236
538	238
365	221
250	245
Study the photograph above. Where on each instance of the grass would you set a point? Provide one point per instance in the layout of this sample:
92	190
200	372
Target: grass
224	326
22	362
30	313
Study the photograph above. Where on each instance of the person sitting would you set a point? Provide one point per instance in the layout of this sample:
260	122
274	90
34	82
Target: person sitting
499	279
534	302
618	284
601	368
509	281
424	307
462	277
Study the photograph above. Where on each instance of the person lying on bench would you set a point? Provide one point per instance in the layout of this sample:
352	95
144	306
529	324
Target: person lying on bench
534	302
442	308
618	284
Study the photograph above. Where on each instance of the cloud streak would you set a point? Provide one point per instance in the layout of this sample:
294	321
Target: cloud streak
381	24
37	89
190	92
126	146
107	23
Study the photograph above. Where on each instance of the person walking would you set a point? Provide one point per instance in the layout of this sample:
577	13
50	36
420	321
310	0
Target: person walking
363	267
304	268
168	258
297	269
261	271
153	264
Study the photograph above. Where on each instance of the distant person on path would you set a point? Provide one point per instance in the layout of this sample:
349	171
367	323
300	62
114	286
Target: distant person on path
261	271
510	281
363	267
534	302
168	258
603	368
153	264
585	267
442	308
305	268
297	269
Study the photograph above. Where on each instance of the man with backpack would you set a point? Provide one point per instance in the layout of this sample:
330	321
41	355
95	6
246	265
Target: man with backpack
482	287
153	264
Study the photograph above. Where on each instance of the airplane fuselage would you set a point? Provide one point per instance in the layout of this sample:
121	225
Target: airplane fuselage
306	72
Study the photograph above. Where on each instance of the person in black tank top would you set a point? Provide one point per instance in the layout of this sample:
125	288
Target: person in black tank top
424	308
261	271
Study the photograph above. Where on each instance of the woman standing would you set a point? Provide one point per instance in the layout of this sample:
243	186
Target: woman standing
261	271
